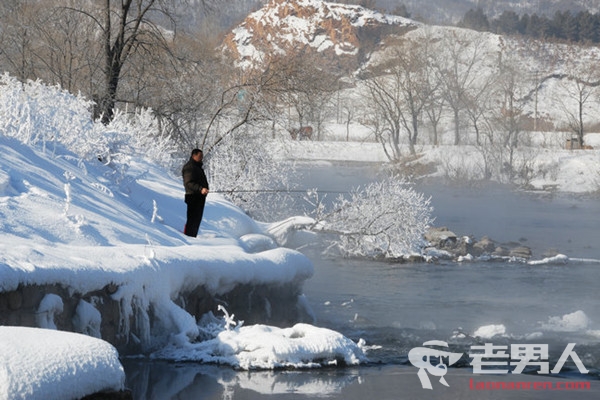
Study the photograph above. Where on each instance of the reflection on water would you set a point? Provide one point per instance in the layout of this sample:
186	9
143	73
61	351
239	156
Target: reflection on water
399	307
161	380
386	382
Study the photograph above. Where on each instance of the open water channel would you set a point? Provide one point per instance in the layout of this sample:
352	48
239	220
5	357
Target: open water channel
400	306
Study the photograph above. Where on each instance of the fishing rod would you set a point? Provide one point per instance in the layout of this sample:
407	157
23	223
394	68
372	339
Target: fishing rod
276	191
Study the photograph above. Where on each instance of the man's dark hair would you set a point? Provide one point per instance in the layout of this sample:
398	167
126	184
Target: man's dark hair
196	151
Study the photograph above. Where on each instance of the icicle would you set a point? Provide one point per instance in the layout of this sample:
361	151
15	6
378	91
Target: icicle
50	305
87	319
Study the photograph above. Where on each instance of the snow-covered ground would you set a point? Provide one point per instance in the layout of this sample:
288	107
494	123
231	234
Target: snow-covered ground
62	222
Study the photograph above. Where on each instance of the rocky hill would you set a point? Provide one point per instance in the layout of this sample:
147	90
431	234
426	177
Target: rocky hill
344	35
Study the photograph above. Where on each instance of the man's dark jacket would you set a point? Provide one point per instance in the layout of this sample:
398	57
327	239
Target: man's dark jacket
194	178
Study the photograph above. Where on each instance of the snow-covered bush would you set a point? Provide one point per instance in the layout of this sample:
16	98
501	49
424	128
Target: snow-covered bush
387	218
47	116
134	135
249	175
37	114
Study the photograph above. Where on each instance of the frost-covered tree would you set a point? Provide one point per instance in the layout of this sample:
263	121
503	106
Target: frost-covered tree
251	177
513	85
459	61
125	27
385	219
307	86
578	91
398	90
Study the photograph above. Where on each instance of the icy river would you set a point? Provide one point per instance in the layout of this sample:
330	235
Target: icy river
398	307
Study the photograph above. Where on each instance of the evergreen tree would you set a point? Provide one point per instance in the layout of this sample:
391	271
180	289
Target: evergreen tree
588	27
507	23
538	27
523	22
475	19
559	23
402	11
570	27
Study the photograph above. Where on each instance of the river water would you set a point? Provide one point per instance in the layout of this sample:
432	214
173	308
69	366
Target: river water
400	306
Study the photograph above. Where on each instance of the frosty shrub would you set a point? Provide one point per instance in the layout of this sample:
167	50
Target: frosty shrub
47	117
37	114
387	219
134	134
248	174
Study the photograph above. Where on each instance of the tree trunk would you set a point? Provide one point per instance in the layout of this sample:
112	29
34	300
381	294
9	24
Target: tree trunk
580	127
108	101
456	128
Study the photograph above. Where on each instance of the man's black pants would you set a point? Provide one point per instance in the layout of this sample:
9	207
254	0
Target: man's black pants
195	209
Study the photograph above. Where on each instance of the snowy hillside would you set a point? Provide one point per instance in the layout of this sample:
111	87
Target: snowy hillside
352	38
434	11
62	217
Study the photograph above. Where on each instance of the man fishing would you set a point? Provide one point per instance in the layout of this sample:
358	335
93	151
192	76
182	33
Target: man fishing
196	189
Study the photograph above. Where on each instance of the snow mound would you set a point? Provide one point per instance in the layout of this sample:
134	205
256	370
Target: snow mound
489	331
573	322
47	364
558	259
255	243
50	305
268	347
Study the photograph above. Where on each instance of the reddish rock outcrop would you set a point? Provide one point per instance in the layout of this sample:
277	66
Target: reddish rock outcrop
343	35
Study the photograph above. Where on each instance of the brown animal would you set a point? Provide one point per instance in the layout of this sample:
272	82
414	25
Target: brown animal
302	133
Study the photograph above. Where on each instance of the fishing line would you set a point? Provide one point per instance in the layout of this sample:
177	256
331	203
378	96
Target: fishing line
276	191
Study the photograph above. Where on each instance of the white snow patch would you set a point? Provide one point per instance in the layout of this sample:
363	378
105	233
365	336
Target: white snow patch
255	243
4	183
558	259
40	364
573	322
489	331
87	319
